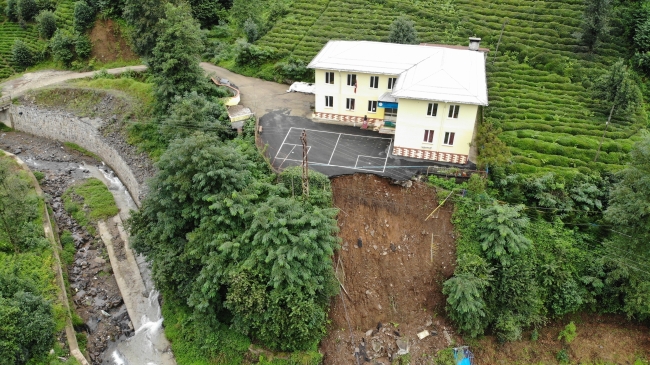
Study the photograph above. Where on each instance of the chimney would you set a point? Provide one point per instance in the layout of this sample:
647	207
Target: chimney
474	43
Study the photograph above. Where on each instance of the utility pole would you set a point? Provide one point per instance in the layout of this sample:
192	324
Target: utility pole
305	165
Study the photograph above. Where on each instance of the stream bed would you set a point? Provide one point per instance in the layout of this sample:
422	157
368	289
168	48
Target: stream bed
111	337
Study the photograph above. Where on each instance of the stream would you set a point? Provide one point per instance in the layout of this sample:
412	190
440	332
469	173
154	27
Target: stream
147	344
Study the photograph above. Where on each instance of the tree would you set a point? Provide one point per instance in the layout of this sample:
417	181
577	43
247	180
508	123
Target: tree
629	204
243	10
46	24
62	45
466	292
618	89
143	16
26	327
174	60
251	30
208	12
84	16
402	30
26	9
193	112
226	240
21	54
491	150
11	10
594	22
83	46
502	232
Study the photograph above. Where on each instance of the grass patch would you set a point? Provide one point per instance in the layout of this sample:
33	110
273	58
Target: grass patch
89	202
85	152
67	243
140	90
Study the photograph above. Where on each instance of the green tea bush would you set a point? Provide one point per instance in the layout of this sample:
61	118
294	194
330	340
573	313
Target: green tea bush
62	45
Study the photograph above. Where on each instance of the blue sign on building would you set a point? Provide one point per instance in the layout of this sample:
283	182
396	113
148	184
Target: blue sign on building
385	104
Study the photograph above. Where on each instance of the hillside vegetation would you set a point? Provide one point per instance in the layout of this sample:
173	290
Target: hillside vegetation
538	81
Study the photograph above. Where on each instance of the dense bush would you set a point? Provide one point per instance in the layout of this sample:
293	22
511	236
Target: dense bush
62	45
11	10
251	30
83	46
26	9
251	55
84	16
46	24
21	54
294	69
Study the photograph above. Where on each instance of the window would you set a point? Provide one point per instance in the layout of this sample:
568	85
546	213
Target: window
432	110
390	113
329	77
372	106
349	104
428	136
449	138
329	101
391	82
374	82
453	111
352	80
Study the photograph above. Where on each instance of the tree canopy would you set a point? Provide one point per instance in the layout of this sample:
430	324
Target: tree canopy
402	30
226	239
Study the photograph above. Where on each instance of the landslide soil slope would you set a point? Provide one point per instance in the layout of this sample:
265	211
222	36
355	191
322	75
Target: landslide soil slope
394	288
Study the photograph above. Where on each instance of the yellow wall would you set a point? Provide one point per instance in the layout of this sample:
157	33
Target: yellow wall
340	91
412	121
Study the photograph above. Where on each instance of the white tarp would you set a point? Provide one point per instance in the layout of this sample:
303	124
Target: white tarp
302	87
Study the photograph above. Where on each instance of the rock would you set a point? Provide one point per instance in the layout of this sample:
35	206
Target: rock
18	151
403	346
359	242
52	352
376	346
424	334
393	247
99	260
105	314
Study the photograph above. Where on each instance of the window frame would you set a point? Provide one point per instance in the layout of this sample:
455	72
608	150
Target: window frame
388	112
329	101
350	104
428	135
352	80
329	77
449	139
432	110
454	109
391	82
372	106
374	82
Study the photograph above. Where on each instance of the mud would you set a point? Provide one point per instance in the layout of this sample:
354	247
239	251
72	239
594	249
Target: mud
391	272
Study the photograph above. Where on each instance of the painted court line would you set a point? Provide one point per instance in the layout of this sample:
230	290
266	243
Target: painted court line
334	150
280	148
345	134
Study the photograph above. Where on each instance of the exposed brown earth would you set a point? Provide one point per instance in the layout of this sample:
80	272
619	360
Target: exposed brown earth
109	44
391	272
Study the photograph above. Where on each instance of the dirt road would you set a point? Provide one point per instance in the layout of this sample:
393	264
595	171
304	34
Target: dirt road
259	95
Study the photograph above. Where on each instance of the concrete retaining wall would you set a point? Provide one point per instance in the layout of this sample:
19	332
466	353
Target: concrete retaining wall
66	127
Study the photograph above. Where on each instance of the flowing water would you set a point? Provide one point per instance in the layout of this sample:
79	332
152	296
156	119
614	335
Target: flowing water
148	346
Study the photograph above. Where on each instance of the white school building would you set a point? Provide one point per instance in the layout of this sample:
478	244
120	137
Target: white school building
428	96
